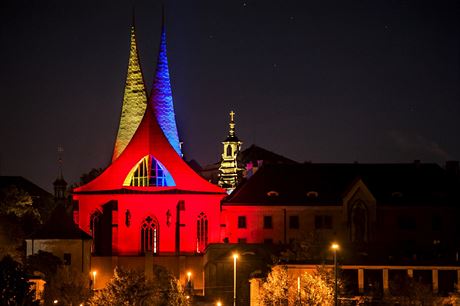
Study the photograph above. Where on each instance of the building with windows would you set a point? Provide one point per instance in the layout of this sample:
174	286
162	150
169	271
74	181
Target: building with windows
150	207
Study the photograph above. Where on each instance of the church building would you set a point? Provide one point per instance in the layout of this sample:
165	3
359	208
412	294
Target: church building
148	201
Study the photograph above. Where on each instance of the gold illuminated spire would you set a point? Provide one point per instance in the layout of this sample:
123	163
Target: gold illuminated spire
134	100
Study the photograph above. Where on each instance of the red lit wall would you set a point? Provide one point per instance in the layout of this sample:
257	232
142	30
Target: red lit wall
127	238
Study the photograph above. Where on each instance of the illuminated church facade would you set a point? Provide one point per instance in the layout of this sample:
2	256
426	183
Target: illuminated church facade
148	201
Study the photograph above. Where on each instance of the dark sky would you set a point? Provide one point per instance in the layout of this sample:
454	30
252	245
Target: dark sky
326	81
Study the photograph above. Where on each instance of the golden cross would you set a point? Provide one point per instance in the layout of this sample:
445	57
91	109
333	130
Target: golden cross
232	113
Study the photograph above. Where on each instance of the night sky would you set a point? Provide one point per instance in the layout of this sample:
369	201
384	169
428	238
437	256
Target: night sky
321	81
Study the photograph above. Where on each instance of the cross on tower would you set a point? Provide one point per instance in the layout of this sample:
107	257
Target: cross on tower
232	113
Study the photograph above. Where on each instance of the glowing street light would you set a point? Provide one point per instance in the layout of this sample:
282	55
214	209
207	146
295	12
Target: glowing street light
55	301
218	303
235	257
189	275
94	280
334	248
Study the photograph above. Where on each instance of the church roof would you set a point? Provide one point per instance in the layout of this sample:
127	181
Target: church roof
161	96
326	184
134	100
255	153
155	136
60	226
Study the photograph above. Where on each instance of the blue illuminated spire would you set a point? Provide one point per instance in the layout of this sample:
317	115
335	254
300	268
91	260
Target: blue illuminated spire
161	97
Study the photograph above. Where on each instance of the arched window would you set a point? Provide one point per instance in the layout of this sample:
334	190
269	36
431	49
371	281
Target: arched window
95	230
229	150
149	172
201	232
149	236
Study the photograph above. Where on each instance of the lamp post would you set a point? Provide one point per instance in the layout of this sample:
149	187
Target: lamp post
235	257
334	248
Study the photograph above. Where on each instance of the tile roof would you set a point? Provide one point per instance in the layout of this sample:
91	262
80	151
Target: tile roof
390	184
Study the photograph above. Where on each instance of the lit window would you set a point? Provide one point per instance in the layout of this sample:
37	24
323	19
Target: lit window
241	221
149	236
201	232
268	222
149	172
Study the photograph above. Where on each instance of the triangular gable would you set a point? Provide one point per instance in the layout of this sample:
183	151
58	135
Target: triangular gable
149	139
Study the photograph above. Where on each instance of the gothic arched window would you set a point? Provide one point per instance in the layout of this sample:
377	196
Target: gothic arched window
149	172
95	230
359	221
201	232
149	236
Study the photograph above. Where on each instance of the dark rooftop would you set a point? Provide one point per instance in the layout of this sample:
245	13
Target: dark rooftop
326	184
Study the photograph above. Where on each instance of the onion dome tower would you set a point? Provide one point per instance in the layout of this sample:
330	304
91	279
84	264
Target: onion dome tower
229	170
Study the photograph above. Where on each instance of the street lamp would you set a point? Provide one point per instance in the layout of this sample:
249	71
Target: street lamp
235	257
219	303
334	248
94	280
188	286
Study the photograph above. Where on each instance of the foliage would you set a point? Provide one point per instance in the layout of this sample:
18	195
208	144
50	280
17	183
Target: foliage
278	287
14	288
18	218
408	291
69	287
85	178
307	247
129	287
316	288
44	262
17	202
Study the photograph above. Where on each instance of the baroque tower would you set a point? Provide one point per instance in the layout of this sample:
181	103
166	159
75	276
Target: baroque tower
229	170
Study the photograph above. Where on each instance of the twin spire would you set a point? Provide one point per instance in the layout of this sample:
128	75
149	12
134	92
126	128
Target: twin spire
135	98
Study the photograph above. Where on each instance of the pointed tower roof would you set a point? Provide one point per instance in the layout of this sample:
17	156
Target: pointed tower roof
134	100
161	96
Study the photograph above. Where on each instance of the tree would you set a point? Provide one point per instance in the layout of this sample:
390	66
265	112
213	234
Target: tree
18	217
408	291
14	288
18	203
307	247
278	287
68	286
129	287
316	288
